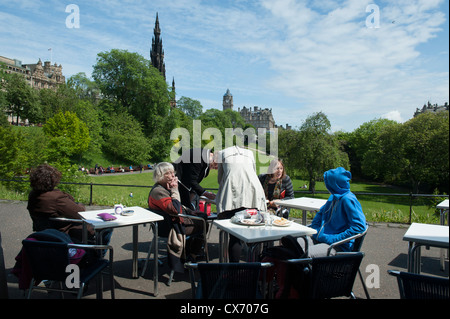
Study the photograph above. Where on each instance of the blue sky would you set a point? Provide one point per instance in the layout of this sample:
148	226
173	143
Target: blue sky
295	57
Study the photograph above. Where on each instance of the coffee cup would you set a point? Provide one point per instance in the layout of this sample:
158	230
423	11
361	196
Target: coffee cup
118	208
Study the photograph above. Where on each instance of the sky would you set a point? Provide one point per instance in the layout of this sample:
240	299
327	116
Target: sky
353	60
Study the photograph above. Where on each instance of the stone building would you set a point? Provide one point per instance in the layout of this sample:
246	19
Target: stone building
38	76
157	51
431	108
258	117
227	101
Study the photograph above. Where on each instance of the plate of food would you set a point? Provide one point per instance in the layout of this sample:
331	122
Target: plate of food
281	222
250	222
127	212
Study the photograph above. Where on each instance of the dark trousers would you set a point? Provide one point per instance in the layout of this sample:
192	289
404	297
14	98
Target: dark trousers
234	244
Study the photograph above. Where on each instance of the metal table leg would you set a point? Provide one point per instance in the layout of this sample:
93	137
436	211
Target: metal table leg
155	254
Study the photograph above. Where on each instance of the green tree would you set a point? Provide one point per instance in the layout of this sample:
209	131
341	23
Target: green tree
312	150
361	140
190	107
138	87
3	102
14	159
414	153
125	140
21	98
222	120
63	99
85	88
90	115
425	143
384	160
9	149
68	137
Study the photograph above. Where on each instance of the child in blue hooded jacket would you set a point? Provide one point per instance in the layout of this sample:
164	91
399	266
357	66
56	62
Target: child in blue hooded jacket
341	217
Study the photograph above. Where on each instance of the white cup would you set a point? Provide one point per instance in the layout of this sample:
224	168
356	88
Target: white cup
118	209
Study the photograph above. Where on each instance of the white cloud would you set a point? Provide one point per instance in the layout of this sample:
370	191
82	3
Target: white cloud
393	115
296	57
340	66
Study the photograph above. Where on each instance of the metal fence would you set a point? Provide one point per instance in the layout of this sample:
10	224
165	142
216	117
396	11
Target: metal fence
410	195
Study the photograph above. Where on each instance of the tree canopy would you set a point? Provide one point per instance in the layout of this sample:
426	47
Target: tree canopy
124	114
312	149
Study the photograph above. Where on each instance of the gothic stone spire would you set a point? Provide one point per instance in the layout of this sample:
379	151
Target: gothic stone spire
157	52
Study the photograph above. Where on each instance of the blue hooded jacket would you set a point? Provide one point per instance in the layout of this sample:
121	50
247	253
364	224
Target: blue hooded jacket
342	216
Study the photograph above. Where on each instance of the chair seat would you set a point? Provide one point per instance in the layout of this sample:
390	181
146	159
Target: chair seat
92	269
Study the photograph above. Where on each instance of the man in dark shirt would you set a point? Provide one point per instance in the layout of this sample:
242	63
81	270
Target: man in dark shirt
191	168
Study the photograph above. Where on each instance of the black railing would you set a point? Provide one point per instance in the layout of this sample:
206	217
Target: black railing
91	185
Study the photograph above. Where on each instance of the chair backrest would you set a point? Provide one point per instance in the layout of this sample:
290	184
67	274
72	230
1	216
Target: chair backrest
357	244
417	286
48	260
229	280
333	276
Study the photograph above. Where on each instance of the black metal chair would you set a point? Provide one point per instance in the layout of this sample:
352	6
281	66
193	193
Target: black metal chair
3	281
49	261
324	277
417	286
357	244
228	280
161	235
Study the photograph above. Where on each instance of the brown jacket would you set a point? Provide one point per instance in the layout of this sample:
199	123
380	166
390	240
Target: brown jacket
43	206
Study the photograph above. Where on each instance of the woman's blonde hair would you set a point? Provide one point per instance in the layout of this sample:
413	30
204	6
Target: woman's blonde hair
160	169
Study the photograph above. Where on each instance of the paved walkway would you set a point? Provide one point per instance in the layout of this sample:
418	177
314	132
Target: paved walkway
384	249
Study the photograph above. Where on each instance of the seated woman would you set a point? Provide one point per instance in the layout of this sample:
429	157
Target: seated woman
164	199
277	185
341	217
46	202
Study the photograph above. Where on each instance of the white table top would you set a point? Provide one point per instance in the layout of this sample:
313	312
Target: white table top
140	216
427	234
303	203
443	205
256	234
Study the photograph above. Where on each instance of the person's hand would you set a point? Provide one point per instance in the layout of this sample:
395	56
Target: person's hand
173	183
272	205
209	195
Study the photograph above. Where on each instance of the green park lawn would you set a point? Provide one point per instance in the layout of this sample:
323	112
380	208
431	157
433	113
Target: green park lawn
378	208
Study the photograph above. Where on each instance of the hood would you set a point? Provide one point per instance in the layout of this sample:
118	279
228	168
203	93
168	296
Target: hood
337	182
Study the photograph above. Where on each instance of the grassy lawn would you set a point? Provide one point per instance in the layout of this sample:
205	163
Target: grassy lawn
380	208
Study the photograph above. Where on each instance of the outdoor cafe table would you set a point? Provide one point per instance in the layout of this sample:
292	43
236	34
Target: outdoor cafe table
139	217
304	203
443	207
423	235
253	235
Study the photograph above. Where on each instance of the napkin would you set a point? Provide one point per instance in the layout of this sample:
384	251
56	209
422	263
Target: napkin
106	217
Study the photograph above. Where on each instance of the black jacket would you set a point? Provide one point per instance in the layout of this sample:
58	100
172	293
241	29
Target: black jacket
191	168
